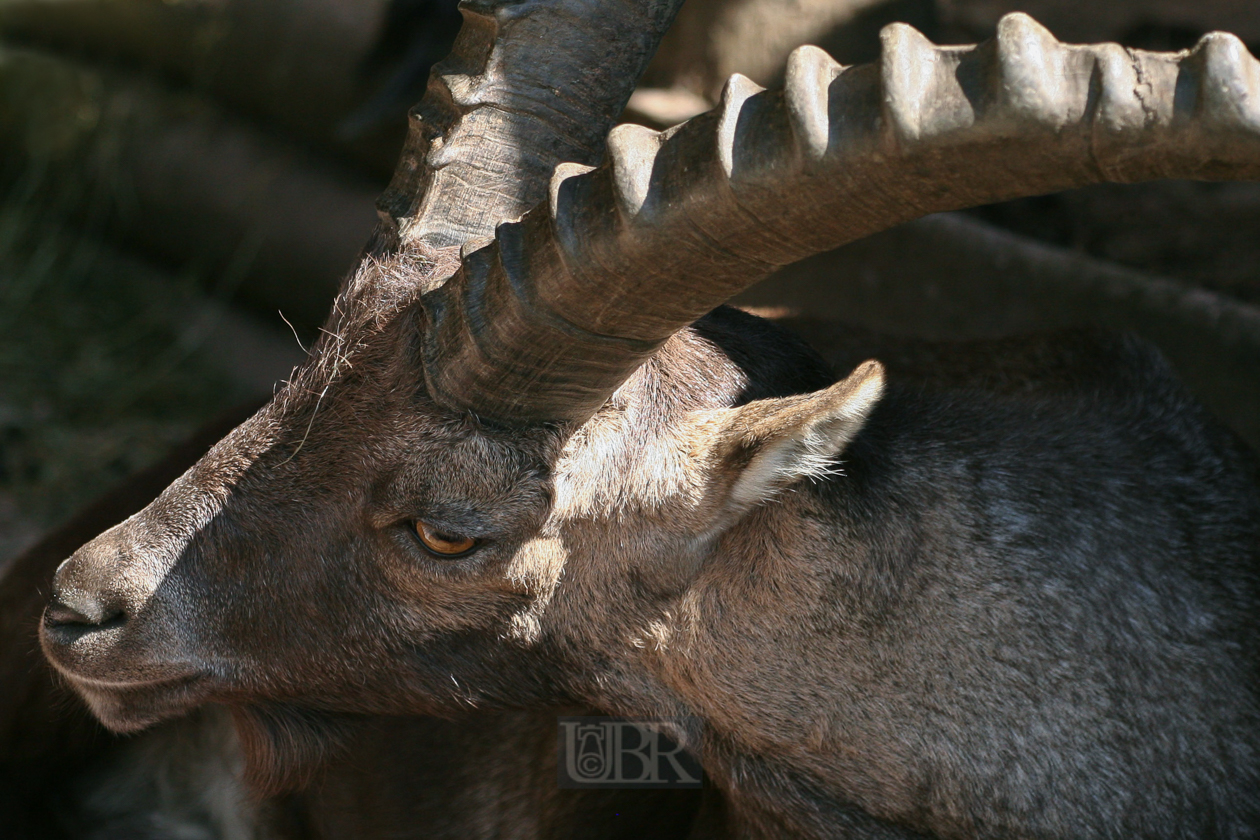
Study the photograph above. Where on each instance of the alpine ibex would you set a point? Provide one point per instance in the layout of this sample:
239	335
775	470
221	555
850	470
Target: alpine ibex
1012	599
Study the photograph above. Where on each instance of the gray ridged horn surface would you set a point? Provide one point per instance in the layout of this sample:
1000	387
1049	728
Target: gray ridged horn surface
529	84
547	321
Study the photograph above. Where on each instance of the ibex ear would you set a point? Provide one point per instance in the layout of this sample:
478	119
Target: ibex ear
765	446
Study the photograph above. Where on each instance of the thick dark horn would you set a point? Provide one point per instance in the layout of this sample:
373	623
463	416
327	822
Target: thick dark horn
529	84
545	323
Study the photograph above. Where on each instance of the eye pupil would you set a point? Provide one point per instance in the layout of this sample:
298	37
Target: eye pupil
441	543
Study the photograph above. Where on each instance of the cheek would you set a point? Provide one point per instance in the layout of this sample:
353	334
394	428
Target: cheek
647	557
423	598
535	568
533	573
439	609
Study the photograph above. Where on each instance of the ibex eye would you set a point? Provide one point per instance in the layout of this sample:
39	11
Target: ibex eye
443	544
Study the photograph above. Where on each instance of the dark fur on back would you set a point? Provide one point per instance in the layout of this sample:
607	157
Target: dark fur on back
1043	567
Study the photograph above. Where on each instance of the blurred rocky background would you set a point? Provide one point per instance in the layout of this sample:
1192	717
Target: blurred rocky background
184	182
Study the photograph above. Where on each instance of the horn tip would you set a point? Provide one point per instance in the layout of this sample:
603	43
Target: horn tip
739	87
895	33
1022	25
631	152
559	175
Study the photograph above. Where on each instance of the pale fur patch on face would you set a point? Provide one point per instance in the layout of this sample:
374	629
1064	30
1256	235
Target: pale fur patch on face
535	569
606	472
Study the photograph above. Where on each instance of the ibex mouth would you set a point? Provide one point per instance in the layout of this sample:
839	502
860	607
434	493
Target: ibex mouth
104	663
136	706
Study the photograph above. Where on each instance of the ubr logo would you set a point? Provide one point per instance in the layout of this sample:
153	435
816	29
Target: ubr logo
618	753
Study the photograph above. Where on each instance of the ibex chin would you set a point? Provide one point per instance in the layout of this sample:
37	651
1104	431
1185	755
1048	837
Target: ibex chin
1018	599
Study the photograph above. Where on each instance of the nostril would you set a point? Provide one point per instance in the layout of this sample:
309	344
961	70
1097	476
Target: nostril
85	615
58	613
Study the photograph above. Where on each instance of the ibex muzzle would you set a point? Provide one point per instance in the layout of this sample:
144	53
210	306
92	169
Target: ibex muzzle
103	626
123	620
542	474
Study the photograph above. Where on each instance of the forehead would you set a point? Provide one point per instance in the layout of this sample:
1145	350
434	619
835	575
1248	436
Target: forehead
458	454
457	472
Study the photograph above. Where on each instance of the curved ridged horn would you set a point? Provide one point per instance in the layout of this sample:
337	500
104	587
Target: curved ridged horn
528	84
546	322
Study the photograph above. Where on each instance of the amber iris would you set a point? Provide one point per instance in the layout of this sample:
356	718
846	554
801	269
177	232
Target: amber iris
441	544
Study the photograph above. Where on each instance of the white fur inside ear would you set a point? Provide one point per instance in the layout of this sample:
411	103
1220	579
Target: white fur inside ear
803	439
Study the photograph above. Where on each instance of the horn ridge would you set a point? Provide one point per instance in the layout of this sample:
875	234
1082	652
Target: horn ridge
506	107
674	224
810	72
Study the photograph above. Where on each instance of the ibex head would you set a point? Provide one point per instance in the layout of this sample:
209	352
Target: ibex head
355	519
500	471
